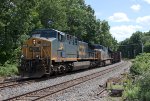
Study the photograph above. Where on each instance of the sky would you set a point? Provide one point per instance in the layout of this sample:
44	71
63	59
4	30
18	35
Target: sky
124	16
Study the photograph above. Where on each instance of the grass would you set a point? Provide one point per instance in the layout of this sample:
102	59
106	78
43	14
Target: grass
118	87
8	70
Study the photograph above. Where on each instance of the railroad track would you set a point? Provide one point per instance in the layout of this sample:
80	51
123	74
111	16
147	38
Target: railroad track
47	91
3	85
101	92
14	83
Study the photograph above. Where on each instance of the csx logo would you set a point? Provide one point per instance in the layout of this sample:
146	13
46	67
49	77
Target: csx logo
81	50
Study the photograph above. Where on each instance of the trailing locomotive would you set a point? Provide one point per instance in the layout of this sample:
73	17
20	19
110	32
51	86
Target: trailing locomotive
49	51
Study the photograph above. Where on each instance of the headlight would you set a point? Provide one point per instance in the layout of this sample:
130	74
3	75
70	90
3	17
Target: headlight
37	56
34	41
22	56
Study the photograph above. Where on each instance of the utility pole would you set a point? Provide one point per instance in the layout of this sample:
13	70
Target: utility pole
142	46
134	53
128	54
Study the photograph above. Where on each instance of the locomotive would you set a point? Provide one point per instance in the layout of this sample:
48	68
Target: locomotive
49	51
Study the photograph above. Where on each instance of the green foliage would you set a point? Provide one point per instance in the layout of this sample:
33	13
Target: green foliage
147	47
15	20
136	37
132	93
52	14
8	69
144	86
139	89
133	46
141	64
131	90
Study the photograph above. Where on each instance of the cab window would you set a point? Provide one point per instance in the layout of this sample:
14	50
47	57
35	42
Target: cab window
76	41
67	37
60	37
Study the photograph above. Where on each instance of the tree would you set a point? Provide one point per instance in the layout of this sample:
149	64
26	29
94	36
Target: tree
134	45
15	20
52	14
147	47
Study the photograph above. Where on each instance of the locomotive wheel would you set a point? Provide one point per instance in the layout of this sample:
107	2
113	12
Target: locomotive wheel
51	71
69	67
62	69
103	63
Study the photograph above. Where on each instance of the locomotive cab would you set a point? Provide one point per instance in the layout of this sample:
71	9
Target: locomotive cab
36	53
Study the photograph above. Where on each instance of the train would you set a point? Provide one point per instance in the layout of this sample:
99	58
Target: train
49	51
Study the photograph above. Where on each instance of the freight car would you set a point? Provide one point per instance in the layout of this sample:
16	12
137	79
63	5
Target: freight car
50	51
116	57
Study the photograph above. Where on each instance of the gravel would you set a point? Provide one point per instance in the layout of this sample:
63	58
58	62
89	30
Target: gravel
87	91
10	92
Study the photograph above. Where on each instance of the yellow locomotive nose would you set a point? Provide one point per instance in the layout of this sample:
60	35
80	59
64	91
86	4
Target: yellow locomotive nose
36	48
35	53
32	49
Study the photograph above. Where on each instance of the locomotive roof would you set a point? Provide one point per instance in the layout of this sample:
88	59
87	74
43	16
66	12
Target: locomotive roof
62	33
49	30
83	42
97	46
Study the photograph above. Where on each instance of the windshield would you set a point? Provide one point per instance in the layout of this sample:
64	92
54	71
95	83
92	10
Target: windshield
44	33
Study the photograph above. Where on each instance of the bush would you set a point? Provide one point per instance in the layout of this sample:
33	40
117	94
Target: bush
144	85
141	64
147	47
8	70
132	93
140	88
